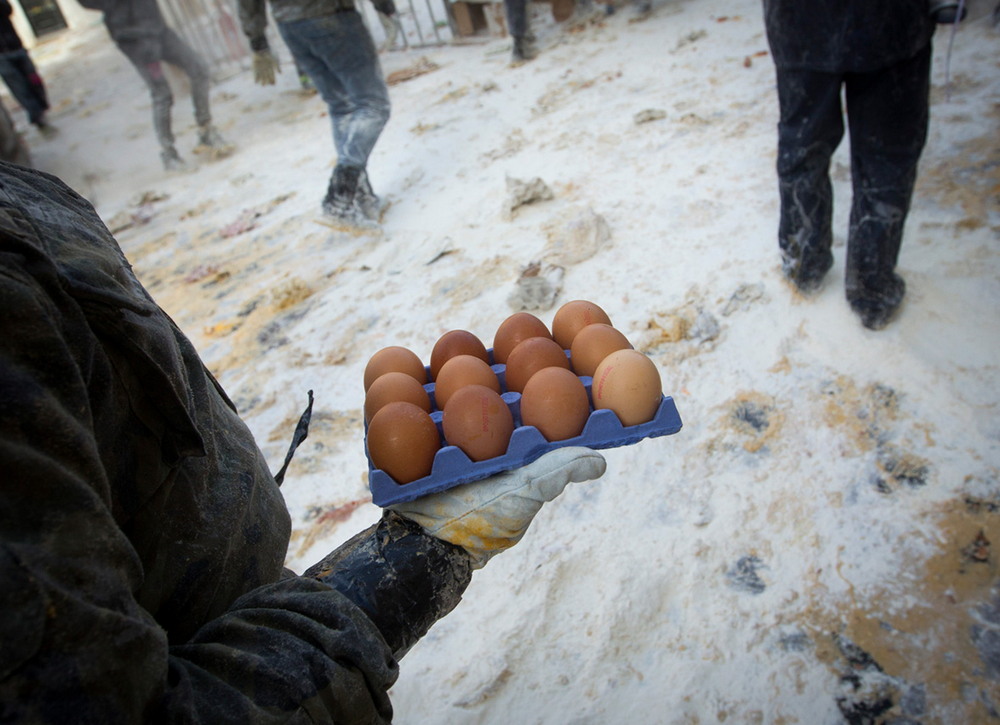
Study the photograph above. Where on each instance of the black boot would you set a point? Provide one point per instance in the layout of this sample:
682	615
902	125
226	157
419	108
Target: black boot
372	206
803	266
876	300
341	202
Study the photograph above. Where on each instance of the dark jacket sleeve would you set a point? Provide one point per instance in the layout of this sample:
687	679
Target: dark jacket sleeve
141	536
846	36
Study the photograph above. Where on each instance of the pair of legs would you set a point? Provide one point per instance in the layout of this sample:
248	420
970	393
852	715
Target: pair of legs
176	52
25	84
887	113
338	54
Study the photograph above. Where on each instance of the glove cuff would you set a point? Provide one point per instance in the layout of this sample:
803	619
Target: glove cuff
403	579
258	44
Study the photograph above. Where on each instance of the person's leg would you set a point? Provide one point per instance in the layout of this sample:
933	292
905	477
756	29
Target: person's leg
339	56
25	85
517	25
809	131
888	118
180	54
163	101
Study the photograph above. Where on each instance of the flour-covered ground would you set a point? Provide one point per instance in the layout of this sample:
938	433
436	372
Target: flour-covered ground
815	545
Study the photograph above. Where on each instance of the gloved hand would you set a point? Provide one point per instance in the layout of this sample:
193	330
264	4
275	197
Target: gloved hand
386	7
265	65
489	516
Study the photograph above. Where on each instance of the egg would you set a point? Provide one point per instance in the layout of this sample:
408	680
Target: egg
456	342
402	441
460	371
393	387
592	344
529	357
519	326
555	401
394	359
628	383
478	421
573	317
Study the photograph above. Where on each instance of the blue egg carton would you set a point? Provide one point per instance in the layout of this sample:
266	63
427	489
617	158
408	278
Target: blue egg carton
453	467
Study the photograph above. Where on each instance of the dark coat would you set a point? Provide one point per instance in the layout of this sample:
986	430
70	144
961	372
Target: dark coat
136	26
142	537
9	39
845	36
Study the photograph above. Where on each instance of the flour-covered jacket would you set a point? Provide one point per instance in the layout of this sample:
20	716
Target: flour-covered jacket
846	36
142	536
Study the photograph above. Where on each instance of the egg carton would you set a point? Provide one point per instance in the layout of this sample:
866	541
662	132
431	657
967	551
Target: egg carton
452	467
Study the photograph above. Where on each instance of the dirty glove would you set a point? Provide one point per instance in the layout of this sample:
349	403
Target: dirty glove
486	517
265	65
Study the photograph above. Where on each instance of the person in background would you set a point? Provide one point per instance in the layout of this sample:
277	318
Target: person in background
523	48
138	29
330	42
879	55
143	539
20	75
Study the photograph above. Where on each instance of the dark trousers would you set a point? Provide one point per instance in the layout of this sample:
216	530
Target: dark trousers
339	56
172	50
887	115
19	73
517	17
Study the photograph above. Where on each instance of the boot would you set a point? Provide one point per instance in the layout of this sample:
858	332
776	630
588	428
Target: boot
341	204
523	50
372	206
172	161
875	300
805	267
211	143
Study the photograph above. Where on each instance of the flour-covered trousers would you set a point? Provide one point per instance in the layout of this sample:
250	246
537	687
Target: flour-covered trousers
887	115
339	56
147	55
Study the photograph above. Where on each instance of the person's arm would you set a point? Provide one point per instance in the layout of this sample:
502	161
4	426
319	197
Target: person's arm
253	19
77	645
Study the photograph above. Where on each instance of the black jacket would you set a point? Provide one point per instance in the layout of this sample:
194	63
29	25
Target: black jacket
142	536
9	39
846	36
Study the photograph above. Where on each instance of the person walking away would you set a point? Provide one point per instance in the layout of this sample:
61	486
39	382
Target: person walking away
138	29
879	54
20	74
331	43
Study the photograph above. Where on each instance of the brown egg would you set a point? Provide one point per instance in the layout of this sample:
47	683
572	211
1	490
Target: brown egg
594	343
402	440
394	360
456	342
628	383
529	357
460	371
519	326
555	402
393	387
478	421
573	317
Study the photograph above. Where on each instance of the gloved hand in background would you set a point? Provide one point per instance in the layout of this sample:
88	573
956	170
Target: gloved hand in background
489	516
265	65
385	7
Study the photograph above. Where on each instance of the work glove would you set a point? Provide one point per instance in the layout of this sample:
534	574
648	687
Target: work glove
265	65
489	516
